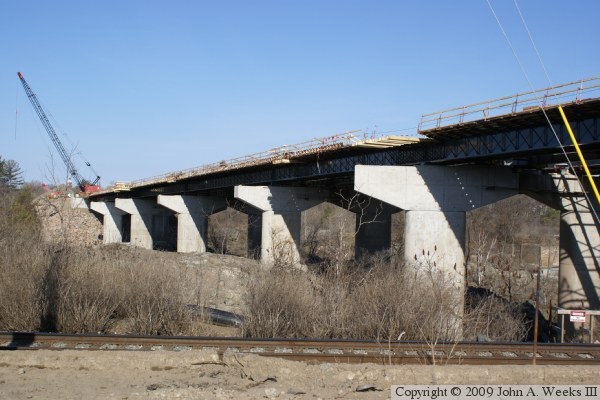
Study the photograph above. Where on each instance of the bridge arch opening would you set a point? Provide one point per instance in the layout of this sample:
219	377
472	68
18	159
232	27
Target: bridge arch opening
126	228
228	232
507	242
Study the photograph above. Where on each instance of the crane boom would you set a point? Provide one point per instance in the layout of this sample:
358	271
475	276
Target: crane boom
81	182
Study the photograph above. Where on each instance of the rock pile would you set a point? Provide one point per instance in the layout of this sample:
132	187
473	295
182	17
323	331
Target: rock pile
63	224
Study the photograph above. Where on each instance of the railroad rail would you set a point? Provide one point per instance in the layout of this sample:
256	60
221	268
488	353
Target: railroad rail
320	350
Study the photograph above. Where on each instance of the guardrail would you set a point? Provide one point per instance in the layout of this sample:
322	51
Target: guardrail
568	92
275	155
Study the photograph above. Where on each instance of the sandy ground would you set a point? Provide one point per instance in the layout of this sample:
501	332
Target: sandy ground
71	374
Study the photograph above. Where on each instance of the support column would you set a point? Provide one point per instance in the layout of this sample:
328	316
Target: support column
436	199
112	221
280	226
579	264
142	213
192	219
440	235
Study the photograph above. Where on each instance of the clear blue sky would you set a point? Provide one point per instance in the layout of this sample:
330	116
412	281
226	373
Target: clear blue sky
147	87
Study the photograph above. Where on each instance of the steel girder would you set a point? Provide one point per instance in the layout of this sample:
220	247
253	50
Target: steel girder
517	143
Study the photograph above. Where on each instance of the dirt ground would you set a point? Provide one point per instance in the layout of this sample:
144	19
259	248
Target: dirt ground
71	374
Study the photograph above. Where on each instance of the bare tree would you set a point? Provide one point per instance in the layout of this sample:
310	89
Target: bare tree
226	229
345	228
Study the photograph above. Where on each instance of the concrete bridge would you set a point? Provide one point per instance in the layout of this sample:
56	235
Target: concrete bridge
468	157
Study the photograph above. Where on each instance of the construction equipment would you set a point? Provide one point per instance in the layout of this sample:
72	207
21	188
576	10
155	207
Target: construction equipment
85	185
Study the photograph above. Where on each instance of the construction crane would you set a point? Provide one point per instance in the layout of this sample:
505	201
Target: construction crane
83	184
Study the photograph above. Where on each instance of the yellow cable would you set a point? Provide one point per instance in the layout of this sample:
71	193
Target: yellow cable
579	153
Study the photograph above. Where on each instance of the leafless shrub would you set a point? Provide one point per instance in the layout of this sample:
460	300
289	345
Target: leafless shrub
280	303
54	286
152	299
329	234
23	268
495	318
378	302
499	235
87	299
97	288
85	290
23	263
227	232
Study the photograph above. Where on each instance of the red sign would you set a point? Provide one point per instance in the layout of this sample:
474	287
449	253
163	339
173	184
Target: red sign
577	316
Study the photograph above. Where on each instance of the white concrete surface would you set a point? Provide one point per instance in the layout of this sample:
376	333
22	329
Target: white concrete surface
78	202
192	219
435	199
436	188
281	209
435	237
280	198
579	265
112	221
141	211
579	262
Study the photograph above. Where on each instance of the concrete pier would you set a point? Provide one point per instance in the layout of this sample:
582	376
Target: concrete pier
112	221
192	219
280	221
148	222
579	266
579	263
440	235
436	199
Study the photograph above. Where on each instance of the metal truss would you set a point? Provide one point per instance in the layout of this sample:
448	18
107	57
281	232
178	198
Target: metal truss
519	143
515	143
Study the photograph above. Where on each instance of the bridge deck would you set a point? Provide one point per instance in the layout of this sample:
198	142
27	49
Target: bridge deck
286	154
572	92
514	126
528	118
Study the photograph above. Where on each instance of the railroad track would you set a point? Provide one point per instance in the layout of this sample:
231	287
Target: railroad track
319	350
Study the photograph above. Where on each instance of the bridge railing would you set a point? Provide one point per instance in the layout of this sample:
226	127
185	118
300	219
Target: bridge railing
553	95
275	155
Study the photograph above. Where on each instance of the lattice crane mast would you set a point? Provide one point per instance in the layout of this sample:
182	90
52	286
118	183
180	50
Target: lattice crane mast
83	184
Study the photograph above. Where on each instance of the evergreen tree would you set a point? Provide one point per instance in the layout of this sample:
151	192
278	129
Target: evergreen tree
11	174
2	163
